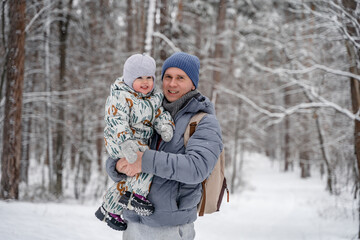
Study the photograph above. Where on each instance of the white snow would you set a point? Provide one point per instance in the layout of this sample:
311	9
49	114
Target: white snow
274	205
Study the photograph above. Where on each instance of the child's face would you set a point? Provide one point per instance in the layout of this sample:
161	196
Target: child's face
143	84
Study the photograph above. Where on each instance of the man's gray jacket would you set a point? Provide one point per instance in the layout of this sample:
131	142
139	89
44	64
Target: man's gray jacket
178	171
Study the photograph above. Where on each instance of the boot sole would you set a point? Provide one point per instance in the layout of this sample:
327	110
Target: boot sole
117	228
136	207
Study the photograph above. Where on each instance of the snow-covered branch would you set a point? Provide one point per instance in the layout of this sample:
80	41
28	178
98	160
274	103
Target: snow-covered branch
304	70
339	19
45	96
249	102
283	112
57	93
327	103
37	15
167	40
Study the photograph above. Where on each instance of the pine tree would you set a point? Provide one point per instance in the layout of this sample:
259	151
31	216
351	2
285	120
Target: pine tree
10	167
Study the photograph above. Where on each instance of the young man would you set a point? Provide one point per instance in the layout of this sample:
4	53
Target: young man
178	170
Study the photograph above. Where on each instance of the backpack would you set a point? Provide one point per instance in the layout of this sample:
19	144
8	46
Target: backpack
215	185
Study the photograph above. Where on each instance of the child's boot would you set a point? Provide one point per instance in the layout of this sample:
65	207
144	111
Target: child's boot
101	213
140	204
116	222
113	220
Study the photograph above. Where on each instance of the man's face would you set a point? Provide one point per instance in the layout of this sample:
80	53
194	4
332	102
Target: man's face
176	83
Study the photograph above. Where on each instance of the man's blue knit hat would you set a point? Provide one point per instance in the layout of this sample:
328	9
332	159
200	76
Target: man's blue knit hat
190	64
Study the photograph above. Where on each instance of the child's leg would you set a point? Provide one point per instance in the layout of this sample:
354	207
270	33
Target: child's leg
135	199
111	145
141	183
112	196
111	210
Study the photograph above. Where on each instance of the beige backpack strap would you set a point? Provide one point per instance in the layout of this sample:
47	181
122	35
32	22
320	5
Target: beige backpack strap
201	210
190	129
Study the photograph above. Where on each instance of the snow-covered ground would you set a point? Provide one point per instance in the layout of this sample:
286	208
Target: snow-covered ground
274	205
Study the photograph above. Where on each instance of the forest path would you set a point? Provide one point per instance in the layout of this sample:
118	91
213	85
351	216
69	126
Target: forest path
278	205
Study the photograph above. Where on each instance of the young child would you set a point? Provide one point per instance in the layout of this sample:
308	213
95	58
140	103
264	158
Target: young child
132	112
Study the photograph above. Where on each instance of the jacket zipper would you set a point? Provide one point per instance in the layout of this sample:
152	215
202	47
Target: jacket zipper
152	110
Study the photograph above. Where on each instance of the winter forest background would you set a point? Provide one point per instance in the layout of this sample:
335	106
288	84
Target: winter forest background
283	74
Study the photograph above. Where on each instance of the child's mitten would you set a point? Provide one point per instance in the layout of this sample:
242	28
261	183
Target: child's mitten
167	133
129	149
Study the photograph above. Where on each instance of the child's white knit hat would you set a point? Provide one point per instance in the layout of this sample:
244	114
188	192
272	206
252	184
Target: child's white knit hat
138	65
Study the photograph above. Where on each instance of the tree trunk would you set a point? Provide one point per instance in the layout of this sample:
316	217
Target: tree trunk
304	163
354	59
179	16
99	144
219	48
354	86
10	167
164	18
85	162
330	174
129	27
25	152
79	186
141	26
237	102
48	103
63	34
287	154
3	74
236	169
198	38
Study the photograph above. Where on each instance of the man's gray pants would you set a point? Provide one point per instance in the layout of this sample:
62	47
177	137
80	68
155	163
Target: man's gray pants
137	231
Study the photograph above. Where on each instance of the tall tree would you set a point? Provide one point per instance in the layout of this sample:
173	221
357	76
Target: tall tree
219	47
129	27
141	25
11	155
64	20
287	128
3	41
164	19
354	58
48	102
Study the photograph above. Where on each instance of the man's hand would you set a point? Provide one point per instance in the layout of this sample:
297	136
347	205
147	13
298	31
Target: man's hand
130	169
121	165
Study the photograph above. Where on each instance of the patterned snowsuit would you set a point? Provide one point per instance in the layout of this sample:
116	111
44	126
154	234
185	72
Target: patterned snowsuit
130	115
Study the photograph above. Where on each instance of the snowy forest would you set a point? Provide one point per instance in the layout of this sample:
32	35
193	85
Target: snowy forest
283	75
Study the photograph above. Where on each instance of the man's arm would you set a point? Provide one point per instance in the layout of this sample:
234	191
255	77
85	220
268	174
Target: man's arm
116	174
202	152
